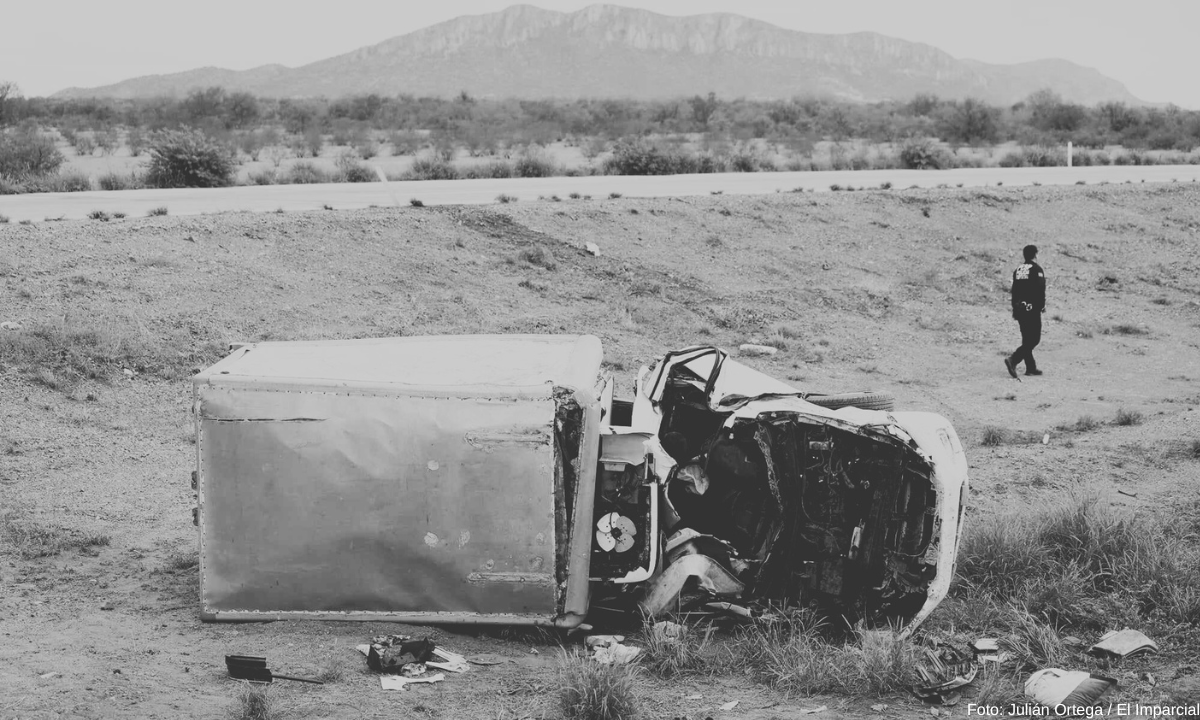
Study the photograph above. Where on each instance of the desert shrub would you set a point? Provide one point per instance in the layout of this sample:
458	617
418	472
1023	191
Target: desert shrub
923	154
534	162
136	141
312	141
638	157
1084	423
305	173
188	158
108	140
493	169
98	215
28	153
116	181
1127	417
63	181
993	436
431	168
366	149
504	198
265	176
405	142
1126	329
744	161
704	163
350	169
538	255
157	212
84	144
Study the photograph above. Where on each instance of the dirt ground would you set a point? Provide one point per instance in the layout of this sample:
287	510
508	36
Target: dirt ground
904	291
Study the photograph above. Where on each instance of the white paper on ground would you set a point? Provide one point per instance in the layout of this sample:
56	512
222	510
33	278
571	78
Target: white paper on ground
396	682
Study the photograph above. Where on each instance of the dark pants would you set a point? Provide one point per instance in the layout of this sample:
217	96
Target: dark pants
1031	335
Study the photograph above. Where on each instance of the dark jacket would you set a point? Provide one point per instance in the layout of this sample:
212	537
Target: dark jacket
1028	289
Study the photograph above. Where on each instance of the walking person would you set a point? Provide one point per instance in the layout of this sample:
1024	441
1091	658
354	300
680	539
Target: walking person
1028	304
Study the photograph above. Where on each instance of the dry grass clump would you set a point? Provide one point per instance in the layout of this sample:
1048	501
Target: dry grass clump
255	703
994	688
588	690
59	356
1084	423
679	649
1126	329
331	671
993	436
538	256
29	539
793	655
1085	564
1128	417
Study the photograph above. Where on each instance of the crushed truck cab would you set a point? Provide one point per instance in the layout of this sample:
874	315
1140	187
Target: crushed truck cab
495	479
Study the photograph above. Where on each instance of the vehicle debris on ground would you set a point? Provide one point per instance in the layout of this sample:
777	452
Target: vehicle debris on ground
538	494
1053	687
944	671
252	667
611	650
1123	643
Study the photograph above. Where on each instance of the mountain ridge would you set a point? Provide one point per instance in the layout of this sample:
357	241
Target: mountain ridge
613	51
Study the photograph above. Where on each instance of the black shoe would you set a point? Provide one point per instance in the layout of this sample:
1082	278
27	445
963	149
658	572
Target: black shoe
1012	366
1034	371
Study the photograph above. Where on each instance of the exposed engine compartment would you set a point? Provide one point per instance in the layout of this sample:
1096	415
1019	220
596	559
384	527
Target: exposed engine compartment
785	507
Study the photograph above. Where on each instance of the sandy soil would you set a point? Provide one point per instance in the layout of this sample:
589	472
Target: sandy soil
904	291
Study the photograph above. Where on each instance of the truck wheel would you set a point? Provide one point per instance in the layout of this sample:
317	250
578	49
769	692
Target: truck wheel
864	400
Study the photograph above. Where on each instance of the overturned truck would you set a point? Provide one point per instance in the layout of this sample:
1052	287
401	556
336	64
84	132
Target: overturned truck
496	479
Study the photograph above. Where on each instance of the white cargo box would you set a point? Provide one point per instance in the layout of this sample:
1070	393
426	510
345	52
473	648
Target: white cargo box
424	479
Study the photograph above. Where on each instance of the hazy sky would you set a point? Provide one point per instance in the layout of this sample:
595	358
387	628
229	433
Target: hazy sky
1152	46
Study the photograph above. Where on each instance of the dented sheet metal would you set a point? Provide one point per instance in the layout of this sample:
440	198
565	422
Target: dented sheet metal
369	503
378	485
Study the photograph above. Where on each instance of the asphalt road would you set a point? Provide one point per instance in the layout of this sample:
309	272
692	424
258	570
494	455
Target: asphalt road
268	198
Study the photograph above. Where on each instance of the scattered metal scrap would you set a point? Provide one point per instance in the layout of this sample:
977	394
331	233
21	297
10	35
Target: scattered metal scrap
944	673
250	667
611	650
1123	643
404	661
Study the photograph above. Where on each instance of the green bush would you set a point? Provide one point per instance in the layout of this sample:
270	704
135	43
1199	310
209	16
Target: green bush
637	157
188	158
68	181
263	177
116	181
27	153
923	154
533	163
350	169
305	173
493	169
432	168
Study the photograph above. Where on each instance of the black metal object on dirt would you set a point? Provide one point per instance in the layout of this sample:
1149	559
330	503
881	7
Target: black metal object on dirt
250	667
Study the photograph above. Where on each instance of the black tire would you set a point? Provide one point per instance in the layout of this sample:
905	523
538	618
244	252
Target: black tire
864	400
